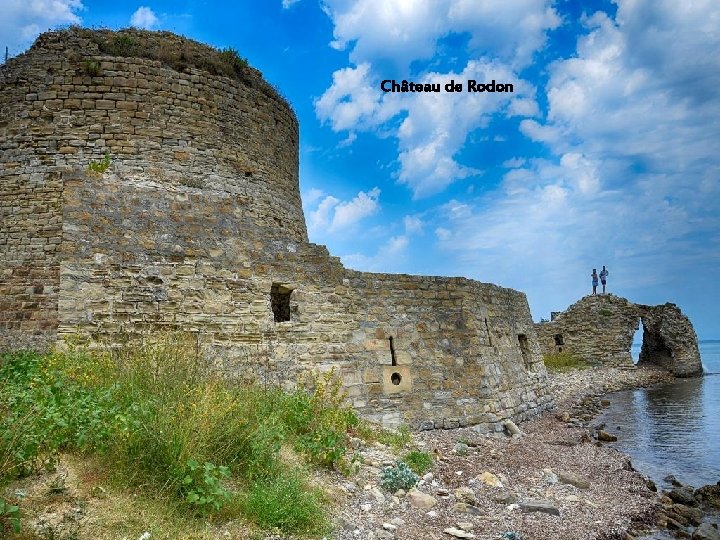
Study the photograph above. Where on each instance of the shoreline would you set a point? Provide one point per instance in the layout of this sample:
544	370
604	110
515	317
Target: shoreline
578	488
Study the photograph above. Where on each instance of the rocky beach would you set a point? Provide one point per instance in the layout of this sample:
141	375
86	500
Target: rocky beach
554	480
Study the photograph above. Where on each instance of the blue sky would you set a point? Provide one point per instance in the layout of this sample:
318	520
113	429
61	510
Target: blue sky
607	152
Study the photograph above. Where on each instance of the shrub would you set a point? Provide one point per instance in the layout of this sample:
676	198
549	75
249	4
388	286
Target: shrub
319	418
563	361
397	477
419	462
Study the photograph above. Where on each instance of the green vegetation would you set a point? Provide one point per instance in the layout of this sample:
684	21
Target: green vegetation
168	427
100	166
605	312
91	68
563	361
397	439
400	476
419	462
176	52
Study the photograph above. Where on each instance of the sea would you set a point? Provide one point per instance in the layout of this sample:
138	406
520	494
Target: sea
674	428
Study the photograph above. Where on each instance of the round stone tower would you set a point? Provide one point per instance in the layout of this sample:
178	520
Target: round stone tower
161	106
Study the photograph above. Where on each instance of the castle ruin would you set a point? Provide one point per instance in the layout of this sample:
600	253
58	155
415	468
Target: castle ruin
600	329
197	226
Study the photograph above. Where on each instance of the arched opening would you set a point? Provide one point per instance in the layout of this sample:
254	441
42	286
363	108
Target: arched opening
637	342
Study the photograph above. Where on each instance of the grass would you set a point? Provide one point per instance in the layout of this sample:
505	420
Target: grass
563	361
176	52
418	461
165	426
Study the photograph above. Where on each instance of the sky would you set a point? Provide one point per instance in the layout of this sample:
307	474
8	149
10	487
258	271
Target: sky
606	152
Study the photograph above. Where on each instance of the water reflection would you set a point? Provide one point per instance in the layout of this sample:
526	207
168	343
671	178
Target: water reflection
671	429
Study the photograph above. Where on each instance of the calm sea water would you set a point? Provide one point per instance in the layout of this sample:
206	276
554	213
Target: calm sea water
673	428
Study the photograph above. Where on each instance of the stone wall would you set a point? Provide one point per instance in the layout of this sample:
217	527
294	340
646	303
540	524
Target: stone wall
600	329
197	227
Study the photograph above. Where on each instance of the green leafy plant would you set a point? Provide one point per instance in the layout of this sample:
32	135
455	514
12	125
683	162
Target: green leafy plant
202	486
400	476
418	461
9	517
605	312
100	166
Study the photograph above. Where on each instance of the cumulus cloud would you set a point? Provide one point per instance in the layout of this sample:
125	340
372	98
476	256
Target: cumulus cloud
633	180
23	21
435	126
402	31
144	17
413	224
390	256
430	128
332	215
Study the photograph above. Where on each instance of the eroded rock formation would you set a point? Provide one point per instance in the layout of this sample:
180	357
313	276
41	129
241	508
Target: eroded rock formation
600	329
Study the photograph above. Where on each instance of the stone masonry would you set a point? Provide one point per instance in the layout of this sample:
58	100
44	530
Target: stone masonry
600	329
197	227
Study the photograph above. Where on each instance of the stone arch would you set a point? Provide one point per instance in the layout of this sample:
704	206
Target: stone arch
600	330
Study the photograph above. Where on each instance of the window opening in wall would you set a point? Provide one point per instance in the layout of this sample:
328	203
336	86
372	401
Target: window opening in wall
637	343
524	348
559	339
280	302
393	359
396	378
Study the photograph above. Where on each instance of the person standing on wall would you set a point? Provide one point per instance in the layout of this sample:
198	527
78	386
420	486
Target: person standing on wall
603	277
594	277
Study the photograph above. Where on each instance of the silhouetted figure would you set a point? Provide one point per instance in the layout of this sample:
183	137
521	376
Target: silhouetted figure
603	277
594	281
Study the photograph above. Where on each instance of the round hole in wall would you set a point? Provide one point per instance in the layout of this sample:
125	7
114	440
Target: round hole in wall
395	378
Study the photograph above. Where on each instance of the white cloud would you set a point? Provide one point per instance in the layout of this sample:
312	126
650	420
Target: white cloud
331	215
634	184
402	31
286	4
144	17
22	21
413	224
434	127
349	213
431	128
389	257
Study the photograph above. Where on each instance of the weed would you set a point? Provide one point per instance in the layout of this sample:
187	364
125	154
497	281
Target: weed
563	361
397	439
91	68
400	476
100	166
202	486
418	461
605	312
9	517
233	59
